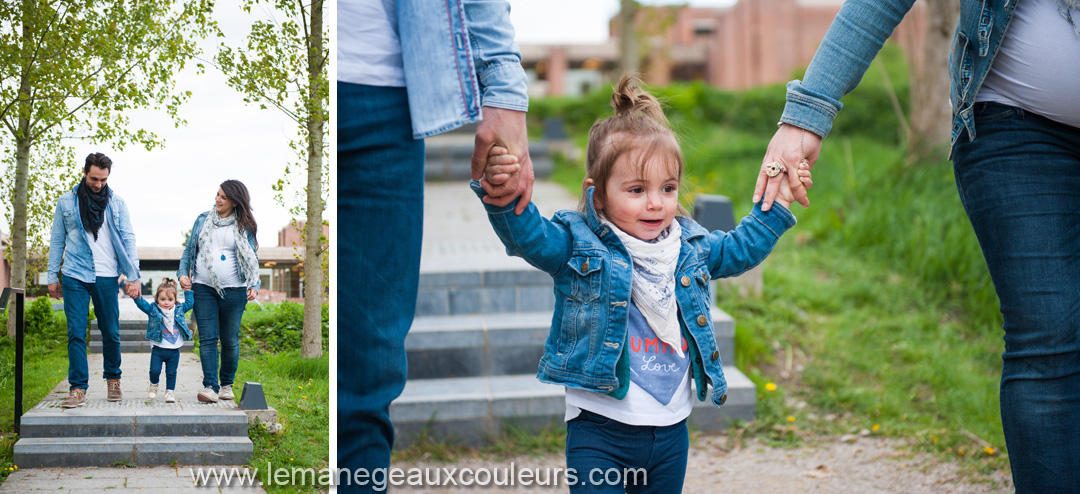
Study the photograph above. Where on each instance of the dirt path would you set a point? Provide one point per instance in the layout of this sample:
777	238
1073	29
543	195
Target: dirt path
867	465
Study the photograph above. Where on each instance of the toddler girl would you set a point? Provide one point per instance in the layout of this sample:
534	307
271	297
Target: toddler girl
631	329
167	329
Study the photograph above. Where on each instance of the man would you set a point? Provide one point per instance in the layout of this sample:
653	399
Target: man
407	70
92	234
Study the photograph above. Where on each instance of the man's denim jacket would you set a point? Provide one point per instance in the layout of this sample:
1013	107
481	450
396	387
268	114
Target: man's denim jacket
68	240
846	52
592	270
458	55
157	318
191	250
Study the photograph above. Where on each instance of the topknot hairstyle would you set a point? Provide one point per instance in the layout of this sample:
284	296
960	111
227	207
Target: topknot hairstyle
639	126
167	285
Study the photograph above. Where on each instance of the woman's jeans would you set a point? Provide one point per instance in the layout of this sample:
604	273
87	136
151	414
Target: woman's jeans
380	194
77	297
608	456
1019	181
168	356
219	319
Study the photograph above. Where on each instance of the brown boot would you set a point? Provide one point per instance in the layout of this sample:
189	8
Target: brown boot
114	390
76	398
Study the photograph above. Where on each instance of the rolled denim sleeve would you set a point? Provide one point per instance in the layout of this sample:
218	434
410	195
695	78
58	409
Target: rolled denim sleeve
503	83
56	246
541	242
735	252
854	38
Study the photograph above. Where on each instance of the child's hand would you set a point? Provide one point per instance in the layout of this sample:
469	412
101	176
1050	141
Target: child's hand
786	197
500	165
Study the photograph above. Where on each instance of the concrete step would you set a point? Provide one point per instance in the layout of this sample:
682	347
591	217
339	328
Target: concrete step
140	420
448	157
125	325
125	334
474	409
499	344
143	346
520	289
140	451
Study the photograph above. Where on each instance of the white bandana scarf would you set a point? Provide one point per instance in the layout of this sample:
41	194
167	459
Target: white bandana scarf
653	289
246	259
1066	12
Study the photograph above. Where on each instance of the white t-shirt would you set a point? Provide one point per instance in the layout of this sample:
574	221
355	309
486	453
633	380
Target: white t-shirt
222	244
1037	66
104	253
170	334
659	393
368	47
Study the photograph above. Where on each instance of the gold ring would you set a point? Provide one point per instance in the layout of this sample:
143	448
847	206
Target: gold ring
775	168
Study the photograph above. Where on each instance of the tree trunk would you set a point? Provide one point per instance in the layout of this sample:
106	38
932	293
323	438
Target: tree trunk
313	275
931	116
22	171
628	47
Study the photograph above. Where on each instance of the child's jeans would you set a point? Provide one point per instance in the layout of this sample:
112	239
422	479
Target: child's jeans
608	456
168	356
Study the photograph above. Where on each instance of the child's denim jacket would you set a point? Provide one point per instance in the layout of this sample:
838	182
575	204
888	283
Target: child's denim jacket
157	318
586	348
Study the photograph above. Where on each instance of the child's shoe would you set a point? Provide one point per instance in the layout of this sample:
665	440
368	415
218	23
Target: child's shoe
169	396
226	393
152	392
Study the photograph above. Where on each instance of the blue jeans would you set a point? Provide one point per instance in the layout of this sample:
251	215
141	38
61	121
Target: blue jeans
600	451
168	356
1019	181
77	297
219	319
380	206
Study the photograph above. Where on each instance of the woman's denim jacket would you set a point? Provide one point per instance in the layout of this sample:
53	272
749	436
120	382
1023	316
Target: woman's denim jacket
458	55
68	240
847	50
157	318
592	270
191	250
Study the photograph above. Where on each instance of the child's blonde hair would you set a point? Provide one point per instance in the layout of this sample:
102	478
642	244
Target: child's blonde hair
167	285
639	125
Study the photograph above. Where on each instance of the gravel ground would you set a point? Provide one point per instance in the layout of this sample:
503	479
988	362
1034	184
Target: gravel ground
863	465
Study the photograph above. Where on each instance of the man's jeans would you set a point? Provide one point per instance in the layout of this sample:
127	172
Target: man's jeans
77	297
602	451
380	208
1019	181
219	319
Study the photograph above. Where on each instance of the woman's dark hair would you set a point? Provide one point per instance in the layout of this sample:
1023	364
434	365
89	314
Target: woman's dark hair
236	192
99	160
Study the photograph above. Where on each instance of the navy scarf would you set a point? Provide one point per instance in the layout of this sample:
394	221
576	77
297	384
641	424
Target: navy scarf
92	207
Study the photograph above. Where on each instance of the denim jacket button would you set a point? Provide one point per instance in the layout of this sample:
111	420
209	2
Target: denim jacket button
723	398
701	320
585	266
685	281
716	355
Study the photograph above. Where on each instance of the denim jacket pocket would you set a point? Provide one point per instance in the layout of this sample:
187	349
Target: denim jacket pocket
70	221
585	280
962	68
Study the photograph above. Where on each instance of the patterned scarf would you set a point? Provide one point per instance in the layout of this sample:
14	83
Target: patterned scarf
653	290
246	259
1066	12
92	207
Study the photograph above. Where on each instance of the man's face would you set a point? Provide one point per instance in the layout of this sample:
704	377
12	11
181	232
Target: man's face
96	178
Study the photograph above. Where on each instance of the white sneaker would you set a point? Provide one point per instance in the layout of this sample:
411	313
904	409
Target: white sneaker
207	395
226	393
169	396
152	392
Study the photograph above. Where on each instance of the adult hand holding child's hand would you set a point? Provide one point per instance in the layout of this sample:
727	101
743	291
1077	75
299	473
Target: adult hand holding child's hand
797	149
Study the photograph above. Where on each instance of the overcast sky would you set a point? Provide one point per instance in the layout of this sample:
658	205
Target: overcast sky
224	139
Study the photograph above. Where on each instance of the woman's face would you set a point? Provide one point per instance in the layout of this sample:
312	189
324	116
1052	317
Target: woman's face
223	205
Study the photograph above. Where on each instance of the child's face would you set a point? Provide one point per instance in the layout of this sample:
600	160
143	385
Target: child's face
641	204
166	299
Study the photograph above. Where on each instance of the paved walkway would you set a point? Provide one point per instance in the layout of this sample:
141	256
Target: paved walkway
158	480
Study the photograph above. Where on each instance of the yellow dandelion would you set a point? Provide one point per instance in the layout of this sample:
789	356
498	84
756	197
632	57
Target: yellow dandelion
770	386
961	451
933	437
989	450
790	418
875	427
305	396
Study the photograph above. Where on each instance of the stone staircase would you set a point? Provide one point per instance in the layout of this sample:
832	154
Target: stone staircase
448	156
132	337
135	430
481	322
